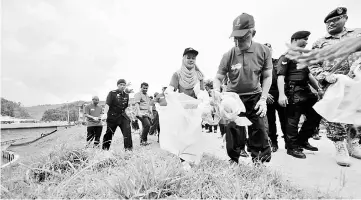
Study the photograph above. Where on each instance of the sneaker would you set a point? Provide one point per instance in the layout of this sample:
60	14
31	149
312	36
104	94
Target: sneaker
243	153
308	146
354	148
296	153
316	137
342	156
274	147
144	143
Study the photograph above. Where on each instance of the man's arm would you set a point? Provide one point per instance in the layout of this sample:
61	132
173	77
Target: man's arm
314	82
137	103
87	113
267	82
217	82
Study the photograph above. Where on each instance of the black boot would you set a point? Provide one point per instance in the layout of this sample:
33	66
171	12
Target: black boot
295	152
308	146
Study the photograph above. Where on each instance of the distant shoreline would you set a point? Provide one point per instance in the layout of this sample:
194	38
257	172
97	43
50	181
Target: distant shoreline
33	125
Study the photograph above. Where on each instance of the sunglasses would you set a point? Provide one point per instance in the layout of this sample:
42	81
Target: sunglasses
334	19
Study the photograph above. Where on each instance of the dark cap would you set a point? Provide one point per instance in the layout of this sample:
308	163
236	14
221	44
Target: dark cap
121	81
337	12
242	24
190	50
300	35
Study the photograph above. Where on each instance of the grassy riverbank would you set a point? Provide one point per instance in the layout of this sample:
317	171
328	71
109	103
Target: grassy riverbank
65	169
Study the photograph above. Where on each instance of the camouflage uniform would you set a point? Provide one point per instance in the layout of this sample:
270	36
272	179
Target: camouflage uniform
336	131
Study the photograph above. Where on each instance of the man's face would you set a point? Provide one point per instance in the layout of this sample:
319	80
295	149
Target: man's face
244	42
144	89
95	100
190	59
121	86
335	25
302	42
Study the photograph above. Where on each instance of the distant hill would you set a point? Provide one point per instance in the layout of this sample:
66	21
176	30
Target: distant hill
13	109
37	111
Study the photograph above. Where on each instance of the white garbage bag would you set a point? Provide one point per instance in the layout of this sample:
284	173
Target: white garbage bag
181	131
342	100
231	106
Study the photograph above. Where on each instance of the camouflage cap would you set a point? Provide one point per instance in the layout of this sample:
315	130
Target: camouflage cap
336	12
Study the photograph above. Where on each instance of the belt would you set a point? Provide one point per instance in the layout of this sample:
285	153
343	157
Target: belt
301	83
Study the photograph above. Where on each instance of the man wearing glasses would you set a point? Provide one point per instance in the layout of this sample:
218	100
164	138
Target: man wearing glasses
324	73
244	64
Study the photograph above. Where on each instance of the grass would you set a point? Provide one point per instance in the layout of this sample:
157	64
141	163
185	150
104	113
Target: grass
72	171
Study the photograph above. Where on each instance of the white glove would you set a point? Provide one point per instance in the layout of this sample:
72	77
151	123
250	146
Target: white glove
331	78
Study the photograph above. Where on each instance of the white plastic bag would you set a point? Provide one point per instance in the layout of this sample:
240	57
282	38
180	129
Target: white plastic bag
181	131
231	106
342	100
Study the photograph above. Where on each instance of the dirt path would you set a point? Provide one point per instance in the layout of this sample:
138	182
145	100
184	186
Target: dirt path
318	171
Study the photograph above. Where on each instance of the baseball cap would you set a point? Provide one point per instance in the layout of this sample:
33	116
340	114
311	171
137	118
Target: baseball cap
242	24
190	50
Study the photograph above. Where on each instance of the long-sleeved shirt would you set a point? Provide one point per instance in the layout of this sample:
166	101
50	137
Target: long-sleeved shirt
320	71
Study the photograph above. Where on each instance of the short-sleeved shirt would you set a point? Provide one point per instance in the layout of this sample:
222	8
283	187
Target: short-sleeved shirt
288	68
117	101
244	68
174	82
143	100
95	111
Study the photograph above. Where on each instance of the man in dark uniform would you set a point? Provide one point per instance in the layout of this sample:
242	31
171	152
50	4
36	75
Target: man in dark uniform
295	94
116	103
273	106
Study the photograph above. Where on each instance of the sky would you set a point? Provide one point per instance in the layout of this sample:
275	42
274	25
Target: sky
57	51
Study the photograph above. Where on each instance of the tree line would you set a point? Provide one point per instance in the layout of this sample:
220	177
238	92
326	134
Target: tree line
13	109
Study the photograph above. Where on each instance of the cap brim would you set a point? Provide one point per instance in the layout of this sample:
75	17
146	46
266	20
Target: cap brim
239	33
191	51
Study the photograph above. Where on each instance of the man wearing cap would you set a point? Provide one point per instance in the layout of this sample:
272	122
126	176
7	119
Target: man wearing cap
296	96
115	105
324	73
244	64
273	106
144	112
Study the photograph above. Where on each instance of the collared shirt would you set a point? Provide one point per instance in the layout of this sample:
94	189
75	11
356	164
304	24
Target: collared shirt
95	111
143	100
245	68
320	71
117	102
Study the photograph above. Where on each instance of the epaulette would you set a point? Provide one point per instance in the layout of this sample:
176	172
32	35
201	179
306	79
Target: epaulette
113	91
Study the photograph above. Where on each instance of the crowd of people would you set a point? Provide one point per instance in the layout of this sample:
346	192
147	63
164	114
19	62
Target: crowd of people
289	86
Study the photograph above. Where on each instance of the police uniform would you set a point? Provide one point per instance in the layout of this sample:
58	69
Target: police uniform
336	131
300	101
118	102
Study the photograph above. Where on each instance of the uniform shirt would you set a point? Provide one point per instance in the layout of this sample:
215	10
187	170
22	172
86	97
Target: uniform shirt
320	71
117	101
174	82
288	68
244	79
95	111
143	100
